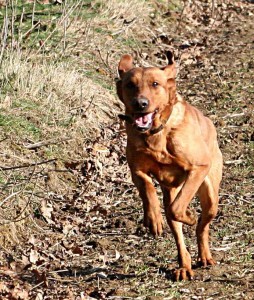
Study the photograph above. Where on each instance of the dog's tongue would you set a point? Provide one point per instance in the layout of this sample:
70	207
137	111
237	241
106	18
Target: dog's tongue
144	120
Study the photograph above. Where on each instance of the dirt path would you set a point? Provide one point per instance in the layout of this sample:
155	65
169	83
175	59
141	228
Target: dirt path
95	246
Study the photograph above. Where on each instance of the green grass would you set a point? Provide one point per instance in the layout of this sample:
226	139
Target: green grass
102	30
19	125
36	23
25	16
46	95
142	269
102	80
2	180
25	104
131	42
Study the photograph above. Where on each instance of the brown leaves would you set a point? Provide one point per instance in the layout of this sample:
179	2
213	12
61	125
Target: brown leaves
14	292
33	256
85	242
46	210
40	277
18	292
71	251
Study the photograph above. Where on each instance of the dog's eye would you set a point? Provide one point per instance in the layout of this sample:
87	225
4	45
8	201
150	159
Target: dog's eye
155	84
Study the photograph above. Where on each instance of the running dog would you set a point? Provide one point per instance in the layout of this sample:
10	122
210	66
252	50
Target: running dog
170	140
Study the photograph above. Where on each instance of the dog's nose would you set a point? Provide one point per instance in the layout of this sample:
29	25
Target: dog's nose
141	103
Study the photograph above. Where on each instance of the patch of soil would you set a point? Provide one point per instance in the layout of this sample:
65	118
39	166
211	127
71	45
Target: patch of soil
94	246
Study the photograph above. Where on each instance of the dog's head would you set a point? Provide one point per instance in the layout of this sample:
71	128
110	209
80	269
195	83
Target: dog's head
147	93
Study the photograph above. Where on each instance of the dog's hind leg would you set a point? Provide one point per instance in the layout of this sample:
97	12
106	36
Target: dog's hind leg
208	195
184	272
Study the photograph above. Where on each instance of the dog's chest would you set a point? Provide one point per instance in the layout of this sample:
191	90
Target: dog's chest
169	175
156	147
159	156
165	167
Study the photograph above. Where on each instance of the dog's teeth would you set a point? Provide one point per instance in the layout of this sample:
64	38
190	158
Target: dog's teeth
144	121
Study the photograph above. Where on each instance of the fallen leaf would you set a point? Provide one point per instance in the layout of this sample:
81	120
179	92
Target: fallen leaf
19	293
40	277
3	287
77	250
46	210
33	256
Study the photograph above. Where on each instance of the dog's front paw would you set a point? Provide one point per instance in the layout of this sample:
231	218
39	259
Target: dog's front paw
187	217
204	262
154	222
183	274
191	218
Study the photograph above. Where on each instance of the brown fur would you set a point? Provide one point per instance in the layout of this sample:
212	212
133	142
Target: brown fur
180	150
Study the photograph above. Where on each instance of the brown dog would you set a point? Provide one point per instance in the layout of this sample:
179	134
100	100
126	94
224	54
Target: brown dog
172	141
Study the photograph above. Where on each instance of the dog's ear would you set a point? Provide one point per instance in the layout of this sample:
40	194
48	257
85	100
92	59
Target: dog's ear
125	64
170	69
170	57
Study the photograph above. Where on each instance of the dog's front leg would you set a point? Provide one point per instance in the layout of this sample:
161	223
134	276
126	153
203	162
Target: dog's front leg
185	270
178	209
152	211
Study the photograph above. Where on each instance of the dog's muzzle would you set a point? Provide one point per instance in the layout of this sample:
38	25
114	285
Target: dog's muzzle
143	122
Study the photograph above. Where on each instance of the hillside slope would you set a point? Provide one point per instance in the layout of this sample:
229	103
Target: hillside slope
70	218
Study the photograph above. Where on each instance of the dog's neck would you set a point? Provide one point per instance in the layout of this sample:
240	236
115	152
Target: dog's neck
157	143
160	120
170	117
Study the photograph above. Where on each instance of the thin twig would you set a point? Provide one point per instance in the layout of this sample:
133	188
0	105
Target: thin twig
60	280
45	143
20	26
32	28
59	23
213	6
4	34
27	165
33	15
105	62
19	217
239	280
9	197
12	26
233	162
37	285
234	115
180	19
64	27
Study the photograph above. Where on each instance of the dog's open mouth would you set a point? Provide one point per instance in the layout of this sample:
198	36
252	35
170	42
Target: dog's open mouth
144	122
